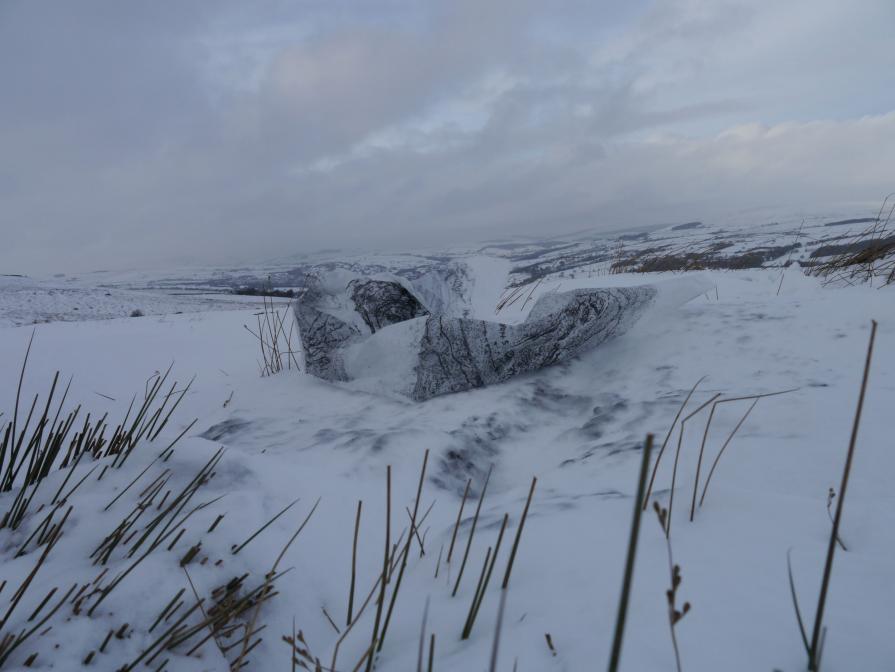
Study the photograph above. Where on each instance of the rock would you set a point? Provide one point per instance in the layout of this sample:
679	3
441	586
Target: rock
378	330
381	303
459	354
323	334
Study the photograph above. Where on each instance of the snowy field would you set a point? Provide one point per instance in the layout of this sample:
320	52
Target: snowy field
33	301
578	428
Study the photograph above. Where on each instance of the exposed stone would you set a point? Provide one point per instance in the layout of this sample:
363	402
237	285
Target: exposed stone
458	354
447	353
381	302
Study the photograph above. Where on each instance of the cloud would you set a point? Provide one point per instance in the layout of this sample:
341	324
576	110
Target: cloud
206	132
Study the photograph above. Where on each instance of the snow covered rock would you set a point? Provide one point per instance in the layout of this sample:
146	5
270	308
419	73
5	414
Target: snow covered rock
323	336
457	354
382	302
378	331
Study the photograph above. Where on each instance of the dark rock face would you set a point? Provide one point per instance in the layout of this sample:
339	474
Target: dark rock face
323	336
459	354
381	303
447	353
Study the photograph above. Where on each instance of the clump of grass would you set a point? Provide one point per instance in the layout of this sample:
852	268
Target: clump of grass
274	339
30	451
155	519
10	642
685	258
509	298
868	256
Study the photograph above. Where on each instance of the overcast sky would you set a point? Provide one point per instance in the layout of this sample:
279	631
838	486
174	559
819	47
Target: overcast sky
147	133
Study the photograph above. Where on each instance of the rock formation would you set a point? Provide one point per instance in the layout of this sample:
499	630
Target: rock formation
345	324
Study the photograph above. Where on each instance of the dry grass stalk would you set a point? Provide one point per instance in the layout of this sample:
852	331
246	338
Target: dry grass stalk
677	456
498	627
795	602
457	524
419	658
789	258
250	630
301	654
273	338
509	298
817	633
360	505
708	424
649	489
674	614
438	562
475	521
237	548
723	448
831	495
509	571
9	642
385	569
475	596
357	616
413	523
479	596
431	652
620	619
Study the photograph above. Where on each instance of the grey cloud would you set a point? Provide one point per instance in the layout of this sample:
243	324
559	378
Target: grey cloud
145	134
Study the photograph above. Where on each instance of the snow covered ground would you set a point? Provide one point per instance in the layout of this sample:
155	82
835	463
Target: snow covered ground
32	301
578	428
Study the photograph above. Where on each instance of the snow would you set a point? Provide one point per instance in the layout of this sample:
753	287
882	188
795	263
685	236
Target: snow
578	427
385	361
489	280
31	301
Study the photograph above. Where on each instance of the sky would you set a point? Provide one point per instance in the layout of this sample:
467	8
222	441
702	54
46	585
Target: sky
149	134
